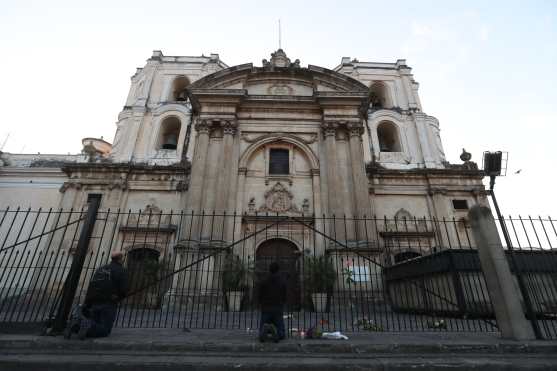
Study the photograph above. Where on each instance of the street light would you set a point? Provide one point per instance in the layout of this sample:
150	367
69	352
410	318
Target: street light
495	164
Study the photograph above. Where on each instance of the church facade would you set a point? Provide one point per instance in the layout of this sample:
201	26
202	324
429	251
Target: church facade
280	139
198	135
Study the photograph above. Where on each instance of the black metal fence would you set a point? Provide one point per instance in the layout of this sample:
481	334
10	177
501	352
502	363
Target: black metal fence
203	270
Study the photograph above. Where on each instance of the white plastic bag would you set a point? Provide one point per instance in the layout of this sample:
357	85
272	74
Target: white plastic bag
334	336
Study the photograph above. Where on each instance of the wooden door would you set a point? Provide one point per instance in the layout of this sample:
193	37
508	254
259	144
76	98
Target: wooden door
286	254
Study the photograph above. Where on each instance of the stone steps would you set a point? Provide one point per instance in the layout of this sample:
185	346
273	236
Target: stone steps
133	360
227	350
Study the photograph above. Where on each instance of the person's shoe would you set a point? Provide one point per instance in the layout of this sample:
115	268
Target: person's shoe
72	326
84	327
269	333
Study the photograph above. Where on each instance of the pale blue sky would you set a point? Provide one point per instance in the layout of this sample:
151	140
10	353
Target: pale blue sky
486	69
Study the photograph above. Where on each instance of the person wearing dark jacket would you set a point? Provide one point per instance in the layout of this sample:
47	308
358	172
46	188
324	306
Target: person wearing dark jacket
272	297
108	286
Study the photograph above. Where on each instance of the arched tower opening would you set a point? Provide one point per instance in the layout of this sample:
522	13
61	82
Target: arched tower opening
379	96
179	86
169	133
388	136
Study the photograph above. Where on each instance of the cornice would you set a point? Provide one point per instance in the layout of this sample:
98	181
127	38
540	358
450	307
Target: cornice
126	167
378	171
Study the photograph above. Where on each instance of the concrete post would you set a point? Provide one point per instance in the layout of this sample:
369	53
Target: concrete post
504	297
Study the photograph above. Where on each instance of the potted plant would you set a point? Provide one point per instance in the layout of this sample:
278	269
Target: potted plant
319	277
234	281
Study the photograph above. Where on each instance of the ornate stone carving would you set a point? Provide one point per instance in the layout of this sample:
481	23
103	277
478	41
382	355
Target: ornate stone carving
182	186
404	222
229	127
437	191
150	216
465	156
102	185
305	205
355	129
279	59
329	128
280	89
278	200
202	127
251	205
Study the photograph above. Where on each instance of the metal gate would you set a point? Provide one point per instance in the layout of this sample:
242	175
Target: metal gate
189	270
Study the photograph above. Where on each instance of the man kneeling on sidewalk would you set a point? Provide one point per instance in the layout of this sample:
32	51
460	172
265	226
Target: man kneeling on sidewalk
108	286
272	296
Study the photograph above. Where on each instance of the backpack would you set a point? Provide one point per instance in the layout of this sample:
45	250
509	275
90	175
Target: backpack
100	286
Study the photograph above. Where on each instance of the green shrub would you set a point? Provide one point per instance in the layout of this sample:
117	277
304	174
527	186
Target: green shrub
235	274
319	274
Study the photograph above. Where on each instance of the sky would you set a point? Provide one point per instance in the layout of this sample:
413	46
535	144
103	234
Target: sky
486	68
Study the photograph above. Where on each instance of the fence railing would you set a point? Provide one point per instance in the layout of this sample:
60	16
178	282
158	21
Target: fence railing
202	270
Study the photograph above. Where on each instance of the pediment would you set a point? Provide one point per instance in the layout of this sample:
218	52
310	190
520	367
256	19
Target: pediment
280	77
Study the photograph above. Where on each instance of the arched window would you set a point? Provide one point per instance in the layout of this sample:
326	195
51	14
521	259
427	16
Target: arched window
379	96
179	86
169	133
387	134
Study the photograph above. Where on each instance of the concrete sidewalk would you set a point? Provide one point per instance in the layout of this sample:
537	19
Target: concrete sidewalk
169	349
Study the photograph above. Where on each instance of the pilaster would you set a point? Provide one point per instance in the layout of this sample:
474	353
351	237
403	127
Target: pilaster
425	145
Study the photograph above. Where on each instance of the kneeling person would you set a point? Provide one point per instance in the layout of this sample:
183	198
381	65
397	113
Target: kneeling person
272	296
107	287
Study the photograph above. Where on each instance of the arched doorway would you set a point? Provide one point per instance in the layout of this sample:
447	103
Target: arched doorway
286	254
143	270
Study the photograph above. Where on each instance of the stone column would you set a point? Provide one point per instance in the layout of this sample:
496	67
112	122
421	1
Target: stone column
336	229
316	185
345	194
228	129
360	180
191	225
329	131
198	166
240	200
504	296
212	169
224	177
446	228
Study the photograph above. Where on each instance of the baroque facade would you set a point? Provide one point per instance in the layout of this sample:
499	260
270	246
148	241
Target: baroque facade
355	138
356	141
199	136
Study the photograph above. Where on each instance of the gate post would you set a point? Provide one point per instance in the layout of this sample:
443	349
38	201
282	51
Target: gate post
504	297
72	279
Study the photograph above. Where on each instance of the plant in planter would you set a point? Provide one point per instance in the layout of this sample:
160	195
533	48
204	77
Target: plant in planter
319	277
145	277
234	281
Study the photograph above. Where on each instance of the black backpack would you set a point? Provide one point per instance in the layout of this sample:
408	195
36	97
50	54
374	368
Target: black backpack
100	286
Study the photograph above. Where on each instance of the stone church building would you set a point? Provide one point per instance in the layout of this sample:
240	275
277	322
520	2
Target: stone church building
278	138
195	134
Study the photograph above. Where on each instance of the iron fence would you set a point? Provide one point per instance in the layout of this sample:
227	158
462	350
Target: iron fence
202	270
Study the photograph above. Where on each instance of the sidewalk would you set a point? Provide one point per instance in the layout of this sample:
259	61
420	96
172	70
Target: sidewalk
169	349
